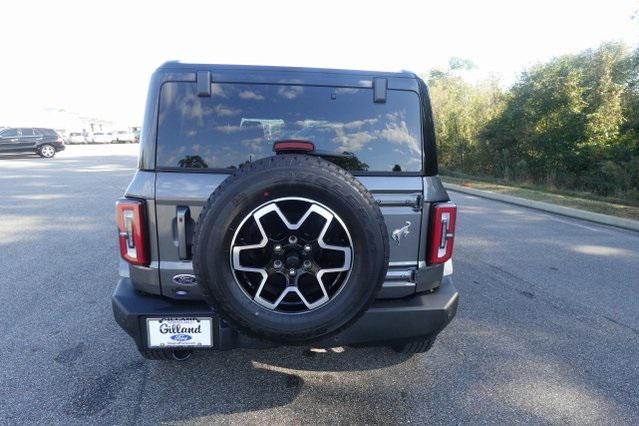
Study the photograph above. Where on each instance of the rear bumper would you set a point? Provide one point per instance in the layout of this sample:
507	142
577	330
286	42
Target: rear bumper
385	321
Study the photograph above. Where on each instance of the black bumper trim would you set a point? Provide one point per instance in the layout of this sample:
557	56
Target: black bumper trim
386	320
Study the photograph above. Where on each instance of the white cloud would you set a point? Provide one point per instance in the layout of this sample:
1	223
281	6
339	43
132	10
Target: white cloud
191	106
228	128
225	111
256	145
354	142
359	123
351	125
399	134
290	92
218	90
248	94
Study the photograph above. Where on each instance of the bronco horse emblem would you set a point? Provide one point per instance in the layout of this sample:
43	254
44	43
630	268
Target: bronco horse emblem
401	232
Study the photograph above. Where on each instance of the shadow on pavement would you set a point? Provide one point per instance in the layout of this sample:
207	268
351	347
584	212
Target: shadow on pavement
29	156
243	381
333	360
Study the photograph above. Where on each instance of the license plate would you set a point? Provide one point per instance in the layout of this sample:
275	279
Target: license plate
179	332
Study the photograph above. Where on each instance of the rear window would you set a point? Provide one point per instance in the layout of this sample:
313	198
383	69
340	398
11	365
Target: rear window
239	123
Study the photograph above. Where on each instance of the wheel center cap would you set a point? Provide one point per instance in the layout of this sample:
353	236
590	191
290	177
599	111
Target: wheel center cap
292	260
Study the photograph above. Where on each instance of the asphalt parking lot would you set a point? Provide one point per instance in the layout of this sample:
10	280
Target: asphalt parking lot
547	329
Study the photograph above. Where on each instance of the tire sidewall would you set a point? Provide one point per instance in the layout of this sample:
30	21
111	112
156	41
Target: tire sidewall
41	151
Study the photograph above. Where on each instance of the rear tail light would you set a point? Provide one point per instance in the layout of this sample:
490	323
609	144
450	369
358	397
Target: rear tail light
130	215
441	233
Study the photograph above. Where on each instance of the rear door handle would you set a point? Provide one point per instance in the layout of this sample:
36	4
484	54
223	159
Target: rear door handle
183	217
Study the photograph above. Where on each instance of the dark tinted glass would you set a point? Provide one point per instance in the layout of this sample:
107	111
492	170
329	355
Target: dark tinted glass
46	132
240	123
9	133
27	132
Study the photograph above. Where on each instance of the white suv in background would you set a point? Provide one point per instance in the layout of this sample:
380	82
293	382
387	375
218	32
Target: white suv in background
102	137
76	137
124	136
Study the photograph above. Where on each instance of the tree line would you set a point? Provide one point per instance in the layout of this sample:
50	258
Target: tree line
570	123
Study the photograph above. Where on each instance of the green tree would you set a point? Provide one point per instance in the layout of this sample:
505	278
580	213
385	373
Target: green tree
461	110
563	117
571	122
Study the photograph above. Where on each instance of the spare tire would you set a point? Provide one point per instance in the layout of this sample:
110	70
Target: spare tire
290	248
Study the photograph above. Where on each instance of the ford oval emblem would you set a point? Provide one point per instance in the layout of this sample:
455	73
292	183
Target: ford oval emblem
181	337
185	279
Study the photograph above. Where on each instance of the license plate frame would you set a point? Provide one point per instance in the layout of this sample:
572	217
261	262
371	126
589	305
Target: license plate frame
179	332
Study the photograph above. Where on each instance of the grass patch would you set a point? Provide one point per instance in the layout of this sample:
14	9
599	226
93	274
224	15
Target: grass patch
587	202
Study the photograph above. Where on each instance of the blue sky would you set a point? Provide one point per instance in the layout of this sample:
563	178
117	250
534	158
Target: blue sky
95	58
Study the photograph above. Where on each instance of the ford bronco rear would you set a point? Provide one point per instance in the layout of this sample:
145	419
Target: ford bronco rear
284	206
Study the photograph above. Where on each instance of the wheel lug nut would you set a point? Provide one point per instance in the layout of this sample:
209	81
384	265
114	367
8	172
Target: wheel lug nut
277	264
292	239
307	248
307	264
277	248
291	272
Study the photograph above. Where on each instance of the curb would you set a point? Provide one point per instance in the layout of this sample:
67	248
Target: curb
604	219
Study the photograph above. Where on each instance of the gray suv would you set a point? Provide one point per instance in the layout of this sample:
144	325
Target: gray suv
284	206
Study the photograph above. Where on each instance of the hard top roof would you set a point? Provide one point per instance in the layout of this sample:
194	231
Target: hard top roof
180	66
